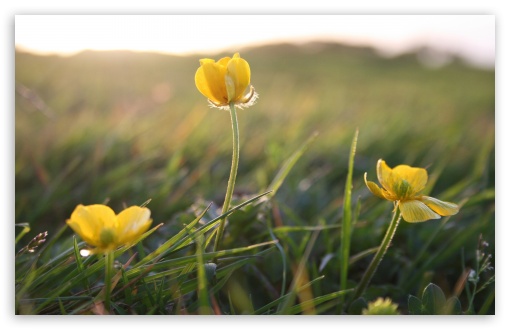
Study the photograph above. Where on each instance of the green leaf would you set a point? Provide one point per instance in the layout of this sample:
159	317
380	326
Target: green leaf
453	307
414	305
357	306
433	299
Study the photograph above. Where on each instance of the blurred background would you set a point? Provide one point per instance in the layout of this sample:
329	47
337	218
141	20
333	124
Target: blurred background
106	105
107	111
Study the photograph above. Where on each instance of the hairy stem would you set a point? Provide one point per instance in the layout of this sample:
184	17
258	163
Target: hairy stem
378	256
233	174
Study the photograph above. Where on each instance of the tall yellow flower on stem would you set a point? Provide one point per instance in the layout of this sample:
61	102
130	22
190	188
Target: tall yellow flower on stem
100	227
226	84
402	185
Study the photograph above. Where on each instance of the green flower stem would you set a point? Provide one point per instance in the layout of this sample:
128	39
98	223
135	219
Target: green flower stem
108	266
233	174
378	256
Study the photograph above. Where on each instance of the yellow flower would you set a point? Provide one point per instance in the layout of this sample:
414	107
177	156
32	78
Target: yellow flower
99	226
226	81
381	307
402	185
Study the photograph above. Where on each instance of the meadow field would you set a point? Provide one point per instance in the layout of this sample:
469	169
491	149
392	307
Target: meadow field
124	128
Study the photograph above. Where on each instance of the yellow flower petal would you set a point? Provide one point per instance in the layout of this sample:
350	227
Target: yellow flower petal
416	211
402	182
237	78
374	188
88	221
132	222
224	61
85	232
415	176
384	174
102	213
440	207
206	60
210	81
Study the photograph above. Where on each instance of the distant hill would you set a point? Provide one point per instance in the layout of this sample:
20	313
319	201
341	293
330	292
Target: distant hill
422	55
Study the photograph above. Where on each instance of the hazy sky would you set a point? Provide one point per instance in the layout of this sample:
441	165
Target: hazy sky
472	36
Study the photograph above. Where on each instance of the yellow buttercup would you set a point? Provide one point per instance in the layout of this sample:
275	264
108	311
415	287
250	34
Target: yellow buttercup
402	185
226	81
226	84
99	226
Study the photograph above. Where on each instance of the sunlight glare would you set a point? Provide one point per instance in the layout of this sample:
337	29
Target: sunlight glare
472	36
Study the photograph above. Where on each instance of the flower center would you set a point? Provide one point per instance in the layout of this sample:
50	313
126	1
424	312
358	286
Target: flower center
107	236
403	189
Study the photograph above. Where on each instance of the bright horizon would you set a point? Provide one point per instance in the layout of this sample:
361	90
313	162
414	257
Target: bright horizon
470	36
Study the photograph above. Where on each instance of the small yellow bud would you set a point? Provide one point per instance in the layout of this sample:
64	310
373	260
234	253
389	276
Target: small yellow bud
381	307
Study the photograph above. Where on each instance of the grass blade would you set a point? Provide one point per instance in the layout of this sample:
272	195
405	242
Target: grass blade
287	166
317	301
159	252
265	308
345	243
204	308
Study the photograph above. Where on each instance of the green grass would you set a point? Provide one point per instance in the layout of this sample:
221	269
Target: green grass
122	128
